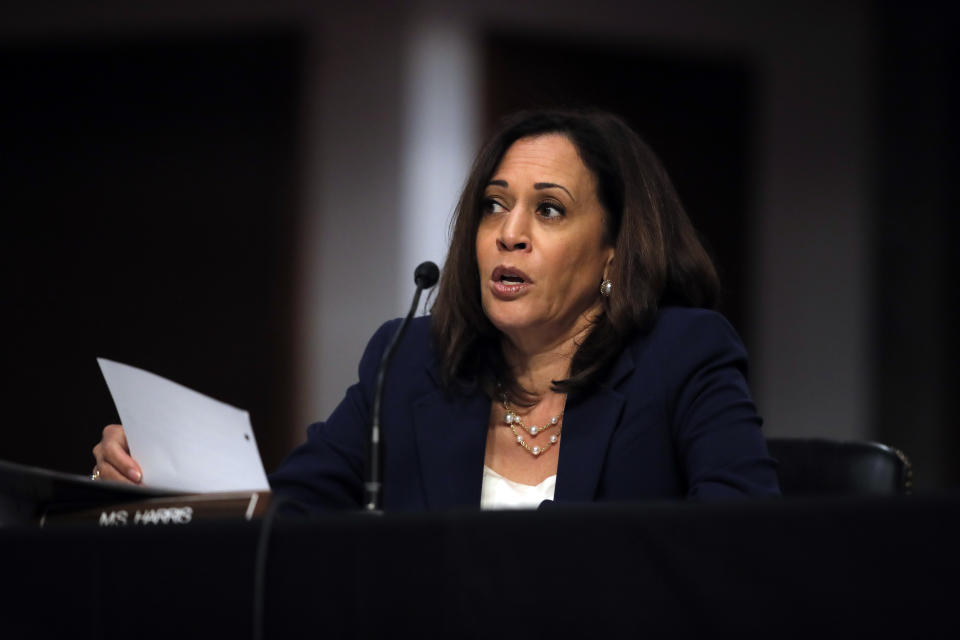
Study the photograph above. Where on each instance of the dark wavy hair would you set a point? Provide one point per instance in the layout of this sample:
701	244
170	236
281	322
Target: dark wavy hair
659	259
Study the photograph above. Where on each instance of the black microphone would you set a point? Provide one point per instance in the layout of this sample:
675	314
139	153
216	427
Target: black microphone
425	276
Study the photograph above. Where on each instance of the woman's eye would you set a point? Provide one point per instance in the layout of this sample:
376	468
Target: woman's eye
550	210
492	206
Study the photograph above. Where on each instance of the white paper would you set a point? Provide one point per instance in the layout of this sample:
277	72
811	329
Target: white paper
182	439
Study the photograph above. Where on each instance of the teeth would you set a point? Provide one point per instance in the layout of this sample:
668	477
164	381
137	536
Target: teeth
511	279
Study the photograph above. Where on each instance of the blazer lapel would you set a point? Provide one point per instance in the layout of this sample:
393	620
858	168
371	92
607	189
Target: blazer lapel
588	426
451	439
451	435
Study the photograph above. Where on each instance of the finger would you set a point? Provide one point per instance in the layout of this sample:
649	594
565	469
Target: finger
115	433
110	472
113	452
118	458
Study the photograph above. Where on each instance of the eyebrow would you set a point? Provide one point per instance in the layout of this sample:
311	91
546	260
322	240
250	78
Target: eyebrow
538	186
551	185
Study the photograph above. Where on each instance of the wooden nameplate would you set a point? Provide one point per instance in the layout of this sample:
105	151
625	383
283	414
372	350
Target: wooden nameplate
31	496
167	511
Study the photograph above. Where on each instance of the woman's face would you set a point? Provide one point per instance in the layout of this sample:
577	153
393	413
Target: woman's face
540	244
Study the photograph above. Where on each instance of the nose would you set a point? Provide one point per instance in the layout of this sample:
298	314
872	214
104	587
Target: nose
514	232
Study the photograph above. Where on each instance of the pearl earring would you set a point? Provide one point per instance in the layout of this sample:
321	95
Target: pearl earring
605	288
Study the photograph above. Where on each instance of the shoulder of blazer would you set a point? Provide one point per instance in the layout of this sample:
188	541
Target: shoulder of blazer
412	368
680	339
685	331
415	348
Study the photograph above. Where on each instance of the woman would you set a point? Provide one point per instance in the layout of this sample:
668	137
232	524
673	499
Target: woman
570	354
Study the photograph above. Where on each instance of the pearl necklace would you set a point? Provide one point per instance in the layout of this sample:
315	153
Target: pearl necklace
513	420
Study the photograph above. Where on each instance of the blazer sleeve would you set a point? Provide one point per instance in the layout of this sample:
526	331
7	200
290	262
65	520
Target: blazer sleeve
716	426
326	472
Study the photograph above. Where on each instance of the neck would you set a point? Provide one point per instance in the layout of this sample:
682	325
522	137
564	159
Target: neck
537	361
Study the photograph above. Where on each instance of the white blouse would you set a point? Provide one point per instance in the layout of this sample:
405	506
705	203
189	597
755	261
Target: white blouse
499	493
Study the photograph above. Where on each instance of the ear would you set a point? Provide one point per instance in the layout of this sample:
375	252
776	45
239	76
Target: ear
608	265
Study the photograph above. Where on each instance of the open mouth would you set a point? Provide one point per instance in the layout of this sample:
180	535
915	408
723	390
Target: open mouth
509	276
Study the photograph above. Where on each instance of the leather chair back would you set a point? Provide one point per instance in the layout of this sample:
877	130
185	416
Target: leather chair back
814	466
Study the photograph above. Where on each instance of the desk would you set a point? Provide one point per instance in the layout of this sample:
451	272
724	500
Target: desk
876	567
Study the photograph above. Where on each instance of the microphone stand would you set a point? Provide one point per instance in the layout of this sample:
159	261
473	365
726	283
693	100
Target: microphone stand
425	276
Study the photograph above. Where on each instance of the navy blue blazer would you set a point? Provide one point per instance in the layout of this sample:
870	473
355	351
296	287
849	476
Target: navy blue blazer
673	418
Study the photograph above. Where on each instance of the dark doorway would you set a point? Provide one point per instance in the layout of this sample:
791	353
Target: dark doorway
147	190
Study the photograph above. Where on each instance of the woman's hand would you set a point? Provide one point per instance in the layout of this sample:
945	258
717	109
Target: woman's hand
113	457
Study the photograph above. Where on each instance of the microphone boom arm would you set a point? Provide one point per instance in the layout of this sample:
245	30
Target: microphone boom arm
425	276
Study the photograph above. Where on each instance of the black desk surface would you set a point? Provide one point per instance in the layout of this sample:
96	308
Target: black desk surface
878	567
